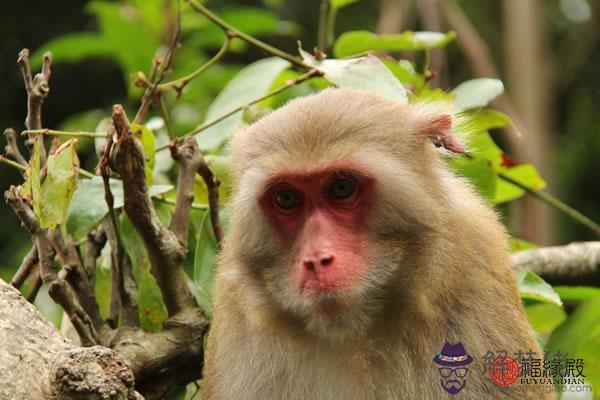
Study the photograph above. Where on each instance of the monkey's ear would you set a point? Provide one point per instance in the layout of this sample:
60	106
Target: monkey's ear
439	131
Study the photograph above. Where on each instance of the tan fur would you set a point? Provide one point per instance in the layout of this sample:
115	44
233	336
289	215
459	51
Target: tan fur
442	271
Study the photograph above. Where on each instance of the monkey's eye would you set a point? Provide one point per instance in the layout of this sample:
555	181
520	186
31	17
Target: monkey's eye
287	199
342	189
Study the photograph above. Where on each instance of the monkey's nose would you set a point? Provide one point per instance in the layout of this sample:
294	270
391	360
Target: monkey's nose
323	262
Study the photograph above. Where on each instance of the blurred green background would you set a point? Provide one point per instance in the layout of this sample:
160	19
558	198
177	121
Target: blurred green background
547	52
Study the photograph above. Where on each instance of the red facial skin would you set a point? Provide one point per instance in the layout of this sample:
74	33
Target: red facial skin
325	234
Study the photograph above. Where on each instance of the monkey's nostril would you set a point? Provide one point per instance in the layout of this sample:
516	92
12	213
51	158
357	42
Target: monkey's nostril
309	265
326	261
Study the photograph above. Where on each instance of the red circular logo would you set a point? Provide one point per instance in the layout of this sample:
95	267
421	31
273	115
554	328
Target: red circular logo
504	371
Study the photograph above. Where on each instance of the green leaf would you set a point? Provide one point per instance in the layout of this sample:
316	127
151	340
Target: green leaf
88	205
516	244
249	84
32	187
362	73
405	72
341	3
152	310
544	317
576	293
133	44
146	136
480	172
525	174
205	264
358	42
486	119
59	185
477	93
482	146
532	287
73	47
579	337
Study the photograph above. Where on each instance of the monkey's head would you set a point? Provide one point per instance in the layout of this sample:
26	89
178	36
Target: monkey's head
335	195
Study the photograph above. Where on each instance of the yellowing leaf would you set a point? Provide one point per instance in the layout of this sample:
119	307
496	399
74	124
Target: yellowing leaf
59	185
146	136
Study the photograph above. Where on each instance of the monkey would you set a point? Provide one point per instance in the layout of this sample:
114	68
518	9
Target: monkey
353	255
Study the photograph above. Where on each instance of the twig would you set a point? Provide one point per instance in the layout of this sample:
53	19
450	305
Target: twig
37	88
576	263
53	132
160	68
322	42
37	285
12	148
212	186
556	203
27	266
302	78
12	163
430	16
190	159
73	272
58	289
178	84
195	206
112	232
234	32
95	242
164	248
21	167
122	295
164	112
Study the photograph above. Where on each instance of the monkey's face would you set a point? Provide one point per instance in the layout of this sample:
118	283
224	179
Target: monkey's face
326	241
333	191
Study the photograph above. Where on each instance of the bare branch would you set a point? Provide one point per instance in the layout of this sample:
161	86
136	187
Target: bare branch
58	289
190	159
212	185
179	84
94	244
576	263
37	285
430	16
37	91
232	31
164	249
291	83
12	148
74	273
123	287
160	69
30	261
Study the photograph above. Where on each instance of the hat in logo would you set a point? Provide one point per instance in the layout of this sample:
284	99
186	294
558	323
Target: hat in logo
453	355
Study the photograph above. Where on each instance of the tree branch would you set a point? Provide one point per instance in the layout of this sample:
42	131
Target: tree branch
30	261
190	159
12	148
37	88
58	289
574	264
178	84
232	31
164	249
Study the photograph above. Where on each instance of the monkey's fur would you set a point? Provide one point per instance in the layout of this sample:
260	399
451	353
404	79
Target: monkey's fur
439	270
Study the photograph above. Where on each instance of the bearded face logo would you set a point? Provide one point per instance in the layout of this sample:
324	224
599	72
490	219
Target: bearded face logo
452	362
